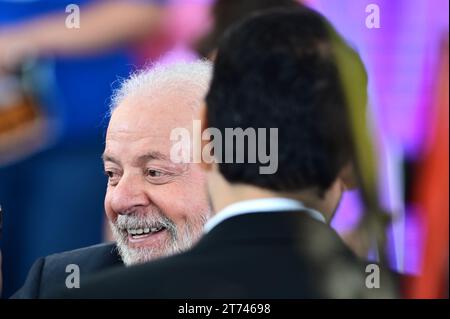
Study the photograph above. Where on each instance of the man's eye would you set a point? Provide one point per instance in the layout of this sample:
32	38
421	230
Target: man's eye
109	174
112	177
154	173
158	176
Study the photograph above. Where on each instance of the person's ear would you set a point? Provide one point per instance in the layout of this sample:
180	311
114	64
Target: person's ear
204	126
348	176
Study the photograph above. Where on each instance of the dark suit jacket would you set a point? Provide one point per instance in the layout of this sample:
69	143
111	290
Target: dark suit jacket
262	255
48	273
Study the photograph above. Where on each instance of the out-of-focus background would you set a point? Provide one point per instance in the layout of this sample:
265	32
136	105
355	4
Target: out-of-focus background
55	89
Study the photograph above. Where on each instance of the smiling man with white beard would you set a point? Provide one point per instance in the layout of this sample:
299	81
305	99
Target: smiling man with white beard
155	207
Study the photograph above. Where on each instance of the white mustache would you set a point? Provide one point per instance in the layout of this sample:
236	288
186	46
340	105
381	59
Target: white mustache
139	220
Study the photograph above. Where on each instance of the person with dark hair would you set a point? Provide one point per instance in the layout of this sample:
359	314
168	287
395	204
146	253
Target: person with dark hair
270	237
292	83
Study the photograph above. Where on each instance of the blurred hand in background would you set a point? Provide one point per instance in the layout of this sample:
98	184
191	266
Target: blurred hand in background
103	25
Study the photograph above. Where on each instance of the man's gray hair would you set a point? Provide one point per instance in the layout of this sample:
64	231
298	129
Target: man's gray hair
180	77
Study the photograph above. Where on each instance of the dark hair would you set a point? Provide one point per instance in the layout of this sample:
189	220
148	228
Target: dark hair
227	12
278	70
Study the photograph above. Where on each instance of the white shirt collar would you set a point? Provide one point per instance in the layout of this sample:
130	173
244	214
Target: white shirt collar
264	205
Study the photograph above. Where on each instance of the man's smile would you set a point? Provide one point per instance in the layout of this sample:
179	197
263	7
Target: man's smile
146	237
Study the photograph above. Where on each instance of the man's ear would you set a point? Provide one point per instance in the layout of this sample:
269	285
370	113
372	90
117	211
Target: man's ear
348	176
204	125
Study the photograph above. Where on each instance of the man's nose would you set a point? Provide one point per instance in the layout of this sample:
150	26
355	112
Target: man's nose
128	194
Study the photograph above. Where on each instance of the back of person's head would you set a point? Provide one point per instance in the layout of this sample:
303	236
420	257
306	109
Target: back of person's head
278	69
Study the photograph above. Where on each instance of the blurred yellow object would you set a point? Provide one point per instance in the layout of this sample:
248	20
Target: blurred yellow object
354	81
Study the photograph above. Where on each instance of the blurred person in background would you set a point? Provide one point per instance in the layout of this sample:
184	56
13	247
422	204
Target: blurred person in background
55	81
192	28
155	207
226	12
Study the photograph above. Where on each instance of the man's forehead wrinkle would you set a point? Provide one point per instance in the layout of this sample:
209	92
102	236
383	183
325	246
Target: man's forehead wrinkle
118	132
149	156
139	160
